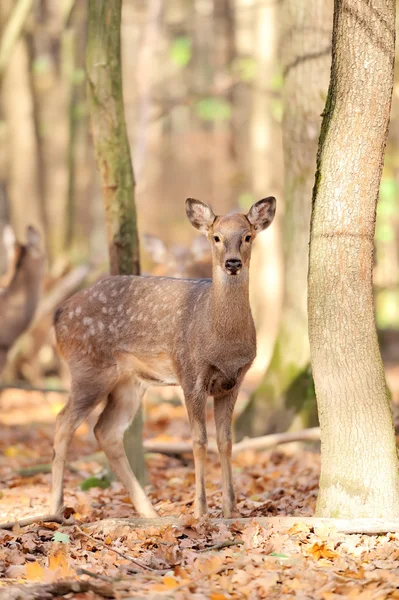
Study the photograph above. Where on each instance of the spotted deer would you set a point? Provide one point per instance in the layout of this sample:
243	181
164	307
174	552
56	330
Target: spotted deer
21	289
127	333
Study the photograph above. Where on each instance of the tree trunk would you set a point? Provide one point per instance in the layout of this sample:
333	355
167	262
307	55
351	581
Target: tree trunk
359	467
284	393
267	178
114	162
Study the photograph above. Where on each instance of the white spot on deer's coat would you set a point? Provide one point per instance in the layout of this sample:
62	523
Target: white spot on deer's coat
92	330
87	320
114	293
102	297
139	316
95	294
119	309
105	310
100	326
78	310
70	315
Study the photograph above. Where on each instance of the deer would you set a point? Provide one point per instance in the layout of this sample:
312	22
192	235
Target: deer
126	333
22	288
192	262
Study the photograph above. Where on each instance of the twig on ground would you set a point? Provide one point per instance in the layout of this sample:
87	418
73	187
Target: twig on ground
221	545
125	556
82	571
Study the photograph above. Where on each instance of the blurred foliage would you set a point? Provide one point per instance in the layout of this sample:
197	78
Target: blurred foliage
181	51
213	109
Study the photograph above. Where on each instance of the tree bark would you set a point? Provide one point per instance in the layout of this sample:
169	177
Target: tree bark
104	72
285	392
359	467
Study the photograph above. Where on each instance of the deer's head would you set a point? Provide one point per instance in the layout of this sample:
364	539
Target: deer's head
231	236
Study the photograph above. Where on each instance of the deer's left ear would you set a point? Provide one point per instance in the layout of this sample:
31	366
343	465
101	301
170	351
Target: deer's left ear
261	214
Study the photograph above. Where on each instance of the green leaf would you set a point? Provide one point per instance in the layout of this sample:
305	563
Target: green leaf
246	68
213	109
181	51
61	537
278	555
91	482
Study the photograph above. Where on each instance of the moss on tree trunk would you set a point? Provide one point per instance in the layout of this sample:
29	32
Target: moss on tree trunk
278	402
105	93
359	467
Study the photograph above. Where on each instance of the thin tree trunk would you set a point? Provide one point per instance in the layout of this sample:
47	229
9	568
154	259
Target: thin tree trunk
359	467
283	394
267	178
18	109
105	93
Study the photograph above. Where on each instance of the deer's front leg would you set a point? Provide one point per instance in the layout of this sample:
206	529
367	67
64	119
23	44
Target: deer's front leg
196	407
223	407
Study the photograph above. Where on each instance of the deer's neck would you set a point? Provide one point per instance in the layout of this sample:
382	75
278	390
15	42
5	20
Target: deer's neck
230	307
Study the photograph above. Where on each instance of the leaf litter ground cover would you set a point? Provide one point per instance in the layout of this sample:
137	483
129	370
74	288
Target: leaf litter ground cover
194	559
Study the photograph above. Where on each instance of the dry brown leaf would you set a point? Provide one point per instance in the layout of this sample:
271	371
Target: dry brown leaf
34	571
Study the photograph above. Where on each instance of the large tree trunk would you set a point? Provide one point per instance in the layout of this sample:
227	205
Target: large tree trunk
283	393
359	470
114	162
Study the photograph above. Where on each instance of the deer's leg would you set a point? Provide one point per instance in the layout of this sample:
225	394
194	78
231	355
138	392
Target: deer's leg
196	409
68	420
116	417
224	407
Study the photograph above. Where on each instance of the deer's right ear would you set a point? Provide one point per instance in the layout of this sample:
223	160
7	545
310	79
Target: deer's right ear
200	215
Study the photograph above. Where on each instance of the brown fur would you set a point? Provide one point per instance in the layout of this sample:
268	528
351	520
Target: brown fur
126	333
20	296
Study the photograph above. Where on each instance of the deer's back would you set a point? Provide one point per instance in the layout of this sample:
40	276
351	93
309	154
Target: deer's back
133	315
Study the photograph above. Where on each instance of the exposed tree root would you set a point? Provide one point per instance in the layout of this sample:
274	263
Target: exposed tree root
367	526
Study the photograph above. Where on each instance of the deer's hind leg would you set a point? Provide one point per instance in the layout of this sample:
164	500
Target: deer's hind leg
116	417
84	397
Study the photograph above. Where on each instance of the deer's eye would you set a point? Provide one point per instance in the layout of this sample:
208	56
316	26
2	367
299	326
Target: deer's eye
248	238
216	238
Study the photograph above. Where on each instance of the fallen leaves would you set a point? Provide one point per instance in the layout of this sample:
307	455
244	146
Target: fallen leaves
196	557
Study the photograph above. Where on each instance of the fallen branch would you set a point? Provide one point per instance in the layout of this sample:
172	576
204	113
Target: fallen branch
260	443
53	590
32	520
362	525
176	448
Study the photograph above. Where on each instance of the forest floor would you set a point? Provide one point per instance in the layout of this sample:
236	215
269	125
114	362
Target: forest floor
194	559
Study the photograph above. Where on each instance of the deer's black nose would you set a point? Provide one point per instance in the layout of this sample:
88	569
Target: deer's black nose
233	265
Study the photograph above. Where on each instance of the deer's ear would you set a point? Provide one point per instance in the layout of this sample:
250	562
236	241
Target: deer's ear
261	214
199	214
155	247
33	236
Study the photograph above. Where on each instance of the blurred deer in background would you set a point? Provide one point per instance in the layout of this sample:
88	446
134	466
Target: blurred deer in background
192	262
21	287
127	333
